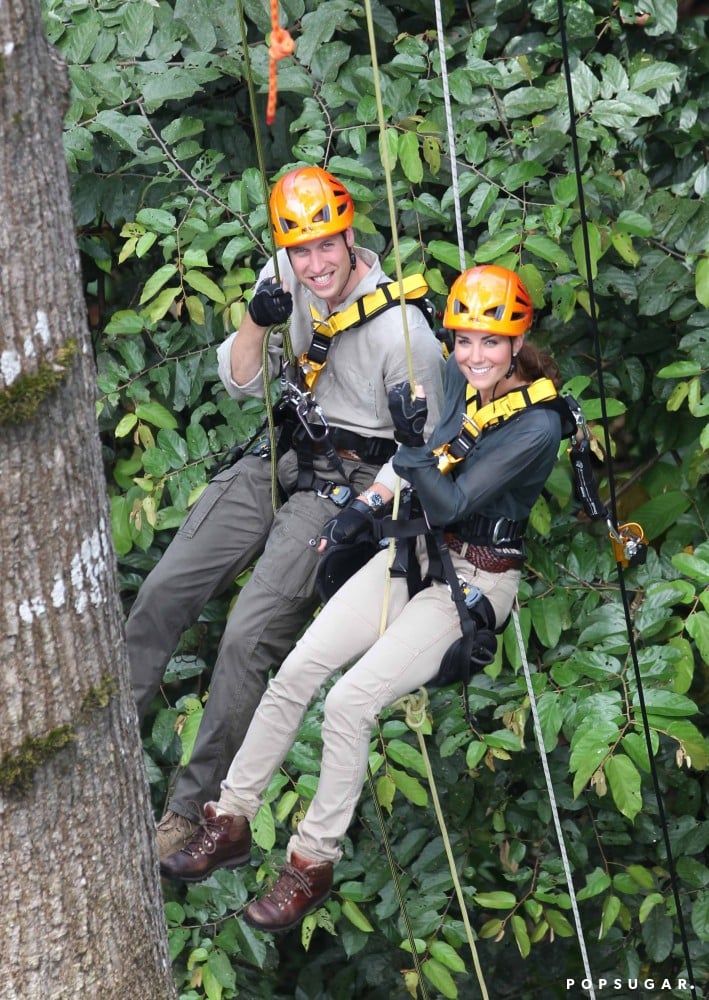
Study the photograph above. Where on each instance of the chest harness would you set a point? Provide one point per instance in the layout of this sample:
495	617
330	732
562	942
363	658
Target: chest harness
311	434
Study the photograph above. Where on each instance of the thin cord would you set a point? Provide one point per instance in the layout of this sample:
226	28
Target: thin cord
611	487
451	134
552	801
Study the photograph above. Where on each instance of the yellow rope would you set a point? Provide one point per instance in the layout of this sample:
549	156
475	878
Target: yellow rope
414	706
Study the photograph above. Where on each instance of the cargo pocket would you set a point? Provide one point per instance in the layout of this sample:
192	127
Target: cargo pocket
214	491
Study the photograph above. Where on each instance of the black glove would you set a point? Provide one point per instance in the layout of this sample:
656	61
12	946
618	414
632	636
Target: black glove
270	304
409	415
351	521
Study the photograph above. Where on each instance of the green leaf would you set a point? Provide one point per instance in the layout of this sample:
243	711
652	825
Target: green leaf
173	447
120	525
546	249
680	369
701	282
406	755
499	900
263	828
447	253
558	923
661	512
519	929
475	753
505	739
188	733
125	321
201	283
125	425
157	219
410	157
447	956
660	702
385	790
440	977
589	747
624	780
596	883
156	281
697	626
409	787
611	909
127	130
155	414
700	916
355	916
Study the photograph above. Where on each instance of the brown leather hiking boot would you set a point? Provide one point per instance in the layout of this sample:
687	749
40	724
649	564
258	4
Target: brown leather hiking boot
301	887
173	832
218	842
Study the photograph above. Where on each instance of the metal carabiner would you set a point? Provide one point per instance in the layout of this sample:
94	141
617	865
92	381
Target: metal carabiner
629	543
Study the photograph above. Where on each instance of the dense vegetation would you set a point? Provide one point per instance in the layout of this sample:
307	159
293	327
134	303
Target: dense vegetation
172	227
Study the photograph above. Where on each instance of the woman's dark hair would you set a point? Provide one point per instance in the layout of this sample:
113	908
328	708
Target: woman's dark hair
532	363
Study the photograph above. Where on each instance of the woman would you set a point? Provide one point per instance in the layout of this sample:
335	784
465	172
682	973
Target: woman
476	480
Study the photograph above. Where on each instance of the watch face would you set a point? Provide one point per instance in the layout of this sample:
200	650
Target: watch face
375	499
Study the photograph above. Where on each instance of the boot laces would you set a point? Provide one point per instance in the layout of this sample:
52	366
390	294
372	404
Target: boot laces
204	839
289	882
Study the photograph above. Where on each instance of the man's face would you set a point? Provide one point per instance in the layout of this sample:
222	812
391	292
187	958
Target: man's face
324	266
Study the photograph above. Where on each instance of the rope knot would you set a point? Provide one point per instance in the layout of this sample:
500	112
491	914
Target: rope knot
414	707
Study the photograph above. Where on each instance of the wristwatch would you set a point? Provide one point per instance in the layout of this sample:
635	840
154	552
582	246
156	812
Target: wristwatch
375	500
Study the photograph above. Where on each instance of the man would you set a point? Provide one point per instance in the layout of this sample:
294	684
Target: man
342	445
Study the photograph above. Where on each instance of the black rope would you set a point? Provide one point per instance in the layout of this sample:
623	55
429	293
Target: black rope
611	485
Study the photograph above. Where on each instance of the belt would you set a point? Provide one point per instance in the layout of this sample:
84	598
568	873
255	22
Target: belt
482	556
349	455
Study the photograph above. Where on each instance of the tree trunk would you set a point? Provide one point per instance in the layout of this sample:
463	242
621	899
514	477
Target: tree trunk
82	908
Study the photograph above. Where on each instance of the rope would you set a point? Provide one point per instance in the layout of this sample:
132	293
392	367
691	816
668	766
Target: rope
390	191
611	485
414	705
285	328
280	46
450	133
552	800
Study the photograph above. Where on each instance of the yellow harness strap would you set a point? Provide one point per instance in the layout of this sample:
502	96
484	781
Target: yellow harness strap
324	329
477	419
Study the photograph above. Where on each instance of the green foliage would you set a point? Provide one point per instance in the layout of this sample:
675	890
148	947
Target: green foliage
172	226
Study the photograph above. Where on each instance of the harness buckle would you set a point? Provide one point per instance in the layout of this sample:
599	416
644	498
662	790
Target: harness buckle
337	492
501	532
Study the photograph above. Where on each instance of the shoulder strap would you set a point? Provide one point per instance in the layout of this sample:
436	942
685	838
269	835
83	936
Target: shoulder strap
387	295
478	419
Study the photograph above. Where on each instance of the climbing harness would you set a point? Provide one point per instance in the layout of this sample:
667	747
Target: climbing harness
479	418
313	360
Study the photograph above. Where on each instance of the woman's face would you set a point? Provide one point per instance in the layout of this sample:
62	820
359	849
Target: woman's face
484	359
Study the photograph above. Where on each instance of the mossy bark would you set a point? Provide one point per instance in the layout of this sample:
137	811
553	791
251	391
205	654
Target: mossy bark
82	908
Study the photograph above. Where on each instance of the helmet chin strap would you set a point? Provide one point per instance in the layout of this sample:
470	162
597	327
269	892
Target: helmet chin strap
513	364
353	255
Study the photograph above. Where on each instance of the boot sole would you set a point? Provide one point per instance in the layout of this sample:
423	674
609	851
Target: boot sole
227	865
285	927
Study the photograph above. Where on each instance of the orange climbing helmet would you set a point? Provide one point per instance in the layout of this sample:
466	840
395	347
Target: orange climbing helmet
307	204
489	299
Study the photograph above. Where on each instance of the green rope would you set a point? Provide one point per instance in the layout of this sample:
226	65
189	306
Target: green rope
414	706
255	118
285	328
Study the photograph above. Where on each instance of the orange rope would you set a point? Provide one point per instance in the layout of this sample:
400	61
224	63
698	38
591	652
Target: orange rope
281	45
